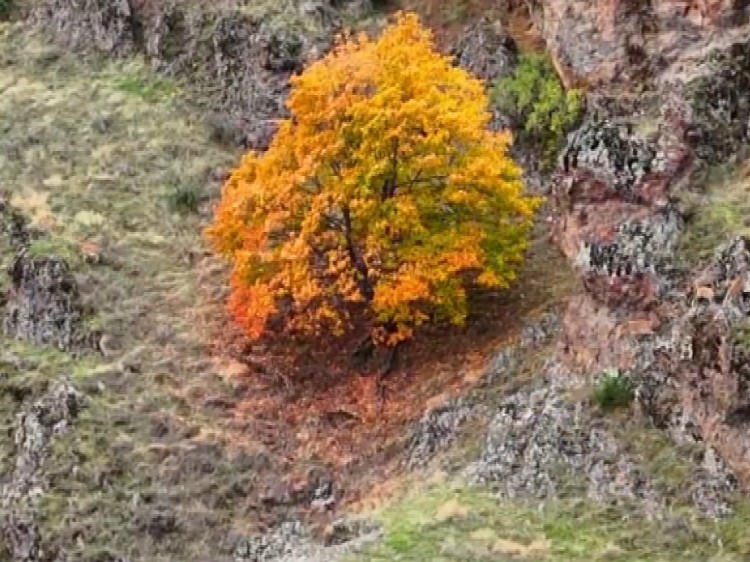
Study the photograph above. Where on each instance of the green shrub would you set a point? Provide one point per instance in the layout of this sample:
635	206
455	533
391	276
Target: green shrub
614	391
540	107
184	199
5	7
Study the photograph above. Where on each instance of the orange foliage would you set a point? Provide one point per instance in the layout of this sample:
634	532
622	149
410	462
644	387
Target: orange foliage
384	190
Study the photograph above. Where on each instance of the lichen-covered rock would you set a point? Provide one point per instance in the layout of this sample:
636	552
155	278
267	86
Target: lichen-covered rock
43	303
51	415
438	429
105	25
605	160
610	42
617	223
292	542
486	50
716	104
541	445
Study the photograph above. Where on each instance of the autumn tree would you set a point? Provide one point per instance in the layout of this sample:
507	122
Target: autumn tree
384	193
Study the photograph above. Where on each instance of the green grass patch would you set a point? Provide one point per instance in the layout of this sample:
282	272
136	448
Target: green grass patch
458	524
148	88
184	198
719	211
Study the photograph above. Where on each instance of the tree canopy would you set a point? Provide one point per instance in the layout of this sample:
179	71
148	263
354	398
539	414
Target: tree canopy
384	194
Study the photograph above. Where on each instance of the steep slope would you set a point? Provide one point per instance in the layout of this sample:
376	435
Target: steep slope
137	426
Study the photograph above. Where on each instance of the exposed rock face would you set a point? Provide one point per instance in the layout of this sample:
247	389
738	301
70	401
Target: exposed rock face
715	106
107	26
711	359
541	445
626	40
243	57
291	542
35	428
619	226
486	50
43	302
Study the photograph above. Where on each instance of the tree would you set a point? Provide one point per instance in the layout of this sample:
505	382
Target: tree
383	193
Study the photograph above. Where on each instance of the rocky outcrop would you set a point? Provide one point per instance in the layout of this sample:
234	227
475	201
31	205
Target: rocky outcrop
108	26
43	304
674	331
292	542
486	50
542	445
630	40
239	57
441	426
709	360
714	106
36	427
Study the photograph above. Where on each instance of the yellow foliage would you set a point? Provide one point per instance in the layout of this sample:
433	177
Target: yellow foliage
384	188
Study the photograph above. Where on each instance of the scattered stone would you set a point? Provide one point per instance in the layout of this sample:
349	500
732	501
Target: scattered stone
280	542
346	530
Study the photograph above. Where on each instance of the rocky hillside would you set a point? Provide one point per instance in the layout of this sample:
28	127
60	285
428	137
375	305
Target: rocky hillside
598	410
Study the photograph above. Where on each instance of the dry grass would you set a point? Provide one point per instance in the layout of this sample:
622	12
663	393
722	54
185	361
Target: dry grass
175	425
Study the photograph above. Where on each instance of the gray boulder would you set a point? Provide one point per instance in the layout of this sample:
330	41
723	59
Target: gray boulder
43	303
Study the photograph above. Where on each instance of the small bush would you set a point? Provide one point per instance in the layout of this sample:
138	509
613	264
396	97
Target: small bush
535	99
184	199
614	391
5	7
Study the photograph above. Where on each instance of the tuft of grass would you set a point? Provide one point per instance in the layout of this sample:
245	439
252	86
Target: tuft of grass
184	198
717	213
148	88
614	391
5	8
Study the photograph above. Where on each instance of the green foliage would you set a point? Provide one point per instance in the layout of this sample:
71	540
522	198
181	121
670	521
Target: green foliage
184	198
536	100
614	390
5	8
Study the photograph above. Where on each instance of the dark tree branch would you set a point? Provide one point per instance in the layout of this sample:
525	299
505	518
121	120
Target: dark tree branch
365	286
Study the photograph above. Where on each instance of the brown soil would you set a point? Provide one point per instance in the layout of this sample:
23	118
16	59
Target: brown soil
313	407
